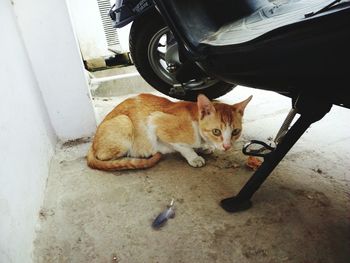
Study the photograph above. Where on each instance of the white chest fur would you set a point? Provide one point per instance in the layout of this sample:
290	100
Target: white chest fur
198	138
157	145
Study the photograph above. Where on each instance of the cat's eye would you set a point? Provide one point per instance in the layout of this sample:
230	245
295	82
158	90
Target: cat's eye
216	132
236	131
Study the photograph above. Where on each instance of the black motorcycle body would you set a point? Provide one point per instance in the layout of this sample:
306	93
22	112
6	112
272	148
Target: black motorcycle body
286	48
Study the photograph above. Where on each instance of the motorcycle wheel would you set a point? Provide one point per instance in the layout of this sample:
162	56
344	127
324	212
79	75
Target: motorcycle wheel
147	41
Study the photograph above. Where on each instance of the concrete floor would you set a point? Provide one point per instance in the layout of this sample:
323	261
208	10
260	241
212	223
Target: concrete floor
119	87
301	213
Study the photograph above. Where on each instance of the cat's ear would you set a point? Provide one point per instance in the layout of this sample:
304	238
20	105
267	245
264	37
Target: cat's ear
240	106
205	107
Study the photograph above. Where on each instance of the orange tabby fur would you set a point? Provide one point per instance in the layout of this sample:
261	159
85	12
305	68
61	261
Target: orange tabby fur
138	131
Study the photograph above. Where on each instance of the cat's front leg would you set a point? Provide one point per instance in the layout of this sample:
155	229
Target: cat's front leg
190	155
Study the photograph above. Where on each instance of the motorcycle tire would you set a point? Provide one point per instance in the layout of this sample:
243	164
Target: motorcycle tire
142	31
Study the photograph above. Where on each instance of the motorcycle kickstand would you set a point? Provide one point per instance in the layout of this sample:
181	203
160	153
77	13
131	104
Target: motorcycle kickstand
310	111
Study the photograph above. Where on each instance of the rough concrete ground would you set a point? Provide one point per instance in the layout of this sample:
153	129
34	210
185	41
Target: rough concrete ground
301	213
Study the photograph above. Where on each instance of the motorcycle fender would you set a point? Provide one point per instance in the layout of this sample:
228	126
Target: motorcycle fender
125	11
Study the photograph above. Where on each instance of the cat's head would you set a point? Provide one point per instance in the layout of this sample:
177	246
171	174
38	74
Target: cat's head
220	124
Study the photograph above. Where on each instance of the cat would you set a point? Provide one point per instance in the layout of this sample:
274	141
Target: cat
136	133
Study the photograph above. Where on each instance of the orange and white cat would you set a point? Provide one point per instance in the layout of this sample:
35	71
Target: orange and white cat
139	130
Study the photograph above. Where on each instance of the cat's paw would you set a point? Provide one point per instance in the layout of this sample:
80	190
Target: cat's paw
197	162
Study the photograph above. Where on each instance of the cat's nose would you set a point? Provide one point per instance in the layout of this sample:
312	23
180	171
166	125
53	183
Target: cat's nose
226	146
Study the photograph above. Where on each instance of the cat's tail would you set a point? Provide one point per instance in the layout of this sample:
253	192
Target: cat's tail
122	163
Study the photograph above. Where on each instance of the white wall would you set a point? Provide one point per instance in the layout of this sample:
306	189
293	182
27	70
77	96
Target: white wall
123	35
56	60
89	29
26	144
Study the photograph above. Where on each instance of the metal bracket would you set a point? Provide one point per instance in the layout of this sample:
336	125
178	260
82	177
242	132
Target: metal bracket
177	90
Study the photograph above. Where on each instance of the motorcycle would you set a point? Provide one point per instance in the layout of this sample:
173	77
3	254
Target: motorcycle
297	48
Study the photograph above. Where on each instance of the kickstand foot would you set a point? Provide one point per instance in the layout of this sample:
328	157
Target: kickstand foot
234	204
